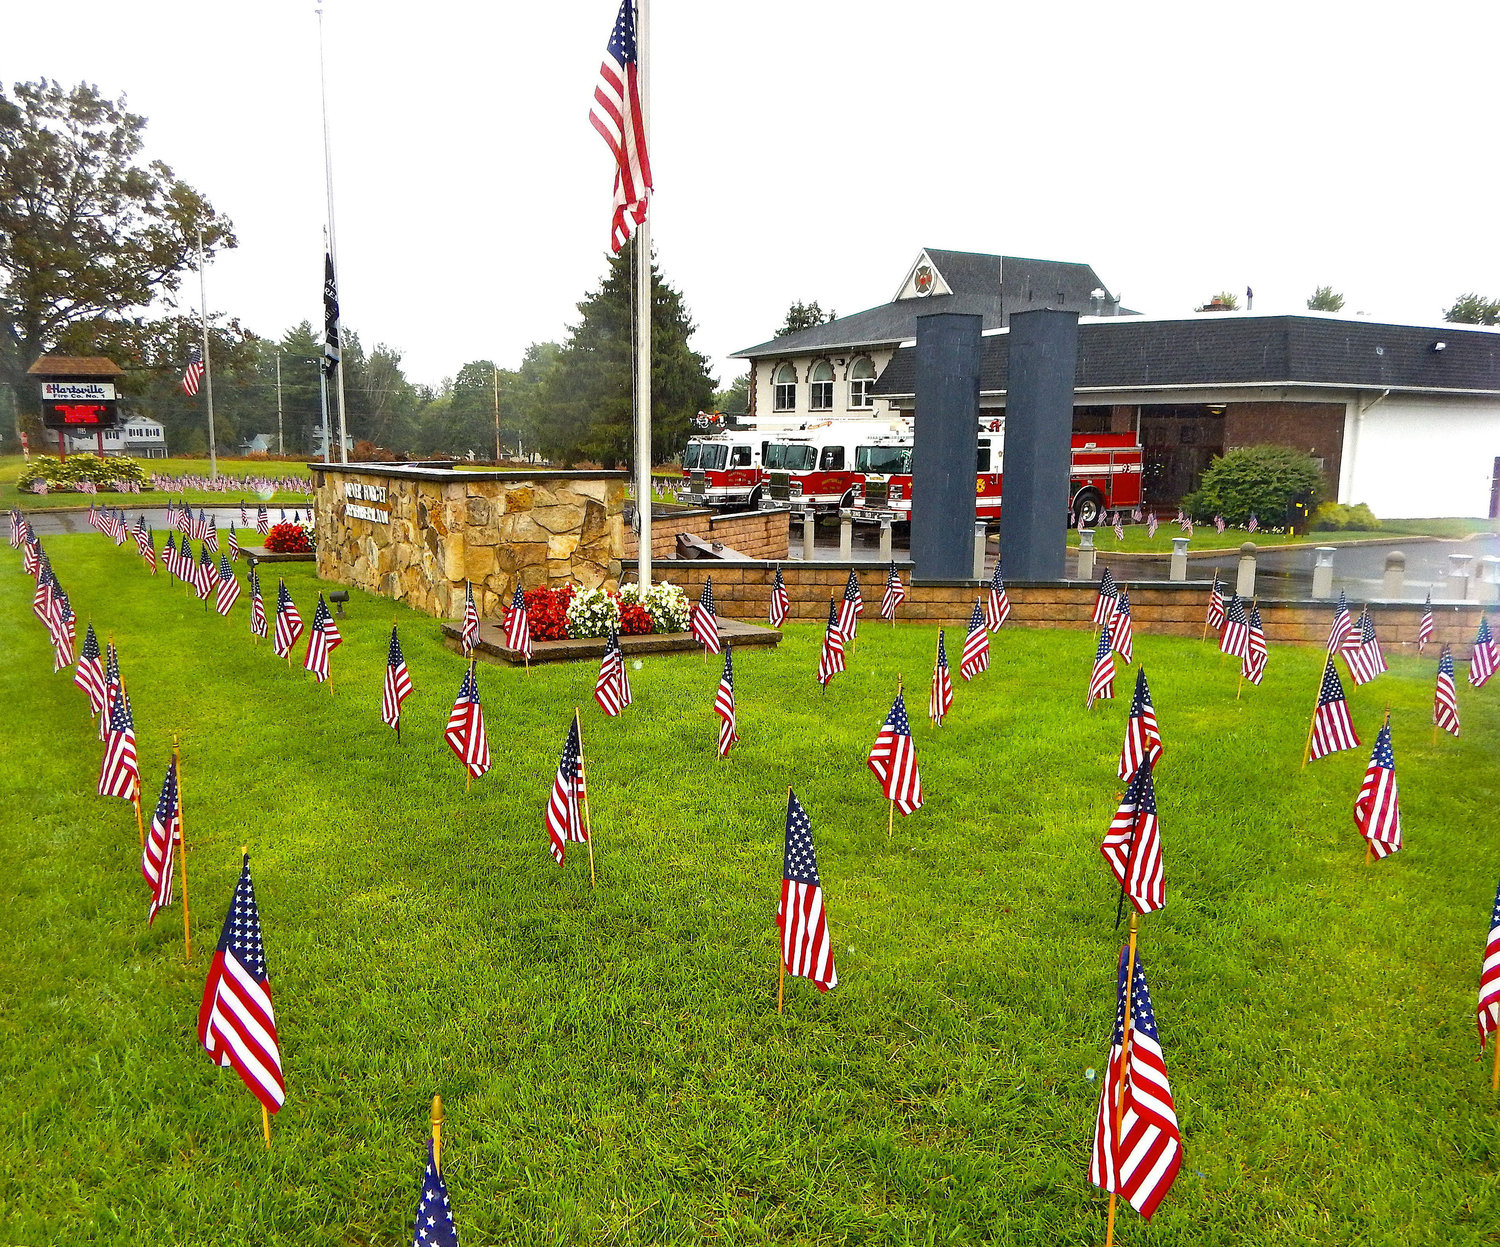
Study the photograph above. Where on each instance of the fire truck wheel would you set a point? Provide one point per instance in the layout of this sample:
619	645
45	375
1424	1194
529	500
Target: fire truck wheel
849	499
1087	508
756	494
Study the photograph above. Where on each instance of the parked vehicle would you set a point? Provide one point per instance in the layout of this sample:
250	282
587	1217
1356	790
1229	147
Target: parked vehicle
725	468
821	468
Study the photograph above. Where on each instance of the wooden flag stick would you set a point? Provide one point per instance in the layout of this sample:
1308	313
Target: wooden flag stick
265	1125
1109	1233
1312	723
781	989
187	934
437	1133
588	828
140	827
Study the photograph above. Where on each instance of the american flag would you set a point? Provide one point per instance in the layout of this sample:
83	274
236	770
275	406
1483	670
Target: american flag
1119	528
1219	524
1215	604
806	948
1484	659
208	574
621	122
1377	809
200	526
851	608
262	521
465	731
1424	629
1235	639
184	519
831	658
1137	1142
148	550
434	1224
940	697
703	622
780	603
1151	524
612	688
469	637
1365	659
1444	697
518	624
88	674
169	554
257	605
1104	604
31	556
112	685
1488	1013
229	587
976	655
1332	729
96	518
724	705
211	536
1132	845
997	602
236	1023
322	639
161	841
565	805
118	528
1122	627
119	774
194	373
1340	635
895	594
1253	668
288	622
244	517
893	759
234	546
1142	738
63	633
1253	524
1102	678
41	599
397	684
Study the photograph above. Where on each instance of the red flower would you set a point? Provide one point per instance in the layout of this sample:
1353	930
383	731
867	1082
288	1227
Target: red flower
288	539
546	611
635	620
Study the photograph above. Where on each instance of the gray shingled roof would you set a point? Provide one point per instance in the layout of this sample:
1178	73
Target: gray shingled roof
1132	354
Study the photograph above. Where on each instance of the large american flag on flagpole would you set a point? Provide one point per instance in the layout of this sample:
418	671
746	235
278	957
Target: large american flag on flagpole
193	374
1377	809
1132	845
236	1023
806	948
893	759
621	121
465	732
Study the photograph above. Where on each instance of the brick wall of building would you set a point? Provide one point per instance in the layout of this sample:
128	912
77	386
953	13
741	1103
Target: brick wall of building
1317	428
755	534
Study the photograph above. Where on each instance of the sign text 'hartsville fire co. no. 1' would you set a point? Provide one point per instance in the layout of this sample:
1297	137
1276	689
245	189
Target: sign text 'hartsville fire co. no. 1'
355	497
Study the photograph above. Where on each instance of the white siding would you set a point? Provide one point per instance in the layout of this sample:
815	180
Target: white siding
764	381
1410	455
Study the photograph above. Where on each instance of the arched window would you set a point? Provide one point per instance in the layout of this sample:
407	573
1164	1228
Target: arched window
861	384
786	388
821	396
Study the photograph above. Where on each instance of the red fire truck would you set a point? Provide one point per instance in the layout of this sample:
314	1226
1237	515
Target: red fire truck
724	468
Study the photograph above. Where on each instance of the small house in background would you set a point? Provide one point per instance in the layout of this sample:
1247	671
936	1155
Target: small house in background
260	444
140	437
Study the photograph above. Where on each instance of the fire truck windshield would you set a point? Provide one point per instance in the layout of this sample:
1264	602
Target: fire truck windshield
788	458
885	460
704	455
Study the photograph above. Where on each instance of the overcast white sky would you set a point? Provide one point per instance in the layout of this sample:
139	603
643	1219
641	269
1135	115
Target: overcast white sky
808	149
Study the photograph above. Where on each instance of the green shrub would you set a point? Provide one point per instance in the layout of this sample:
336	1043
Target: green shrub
1254	480
1336	517
73	471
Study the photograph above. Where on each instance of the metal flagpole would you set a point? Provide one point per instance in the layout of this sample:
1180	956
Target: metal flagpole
208	372
496	371
280	441
643	312
333	253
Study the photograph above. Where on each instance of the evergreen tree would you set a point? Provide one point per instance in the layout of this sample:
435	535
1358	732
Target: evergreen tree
1325	299
1474	309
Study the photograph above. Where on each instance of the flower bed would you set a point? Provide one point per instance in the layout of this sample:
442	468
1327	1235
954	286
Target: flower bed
290	538
570	613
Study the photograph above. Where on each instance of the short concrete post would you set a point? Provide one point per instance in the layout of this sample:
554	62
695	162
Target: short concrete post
1486	586
846	538
809	532
885	541
1458	575
980	537
1394	586
1244	584
1085	554
1323	573
1177	568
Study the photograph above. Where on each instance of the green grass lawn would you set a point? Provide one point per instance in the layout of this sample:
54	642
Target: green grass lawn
11	465
612	1063
1136	540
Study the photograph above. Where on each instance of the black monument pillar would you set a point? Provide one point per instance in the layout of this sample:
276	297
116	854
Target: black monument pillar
1038	444
945	445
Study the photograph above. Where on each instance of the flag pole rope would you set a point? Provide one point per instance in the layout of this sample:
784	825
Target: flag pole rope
588	828
187	935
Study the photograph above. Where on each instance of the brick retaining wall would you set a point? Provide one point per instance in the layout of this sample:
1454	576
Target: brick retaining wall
755	534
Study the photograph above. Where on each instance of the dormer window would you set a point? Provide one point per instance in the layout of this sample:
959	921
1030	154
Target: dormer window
821	396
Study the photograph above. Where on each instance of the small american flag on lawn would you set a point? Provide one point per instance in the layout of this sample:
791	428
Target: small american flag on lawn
1444	696
565	824
1219	524
1104	604
1235	639
161	841
63	630
211	536
1365	659
257	605
831	658
1142	739
612	688
200	525
1253	666
780	603
518	625
1342	631
1102	677
234	546
1484	659
1151	524
893	759
1119	528
1489	977
806	949
208	574
1252	525
288	622
169	554
1132	845
244	517
851	608
229	587
1377	809
1137	1141
236	1023
469	636
895	594
704	623
322	639
621	123
940	698
1122	627
1215	618
194	373
397	684
465	731
119	774
1424	629
434	1224
1332	729
996	602
88	673
976	655
724	705
262	521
